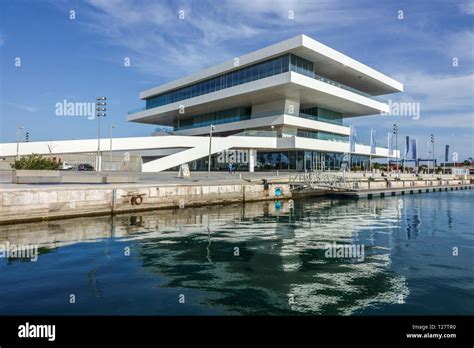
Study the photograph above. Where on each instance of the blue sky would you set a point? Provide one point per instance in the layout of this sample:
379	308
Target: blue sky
82	58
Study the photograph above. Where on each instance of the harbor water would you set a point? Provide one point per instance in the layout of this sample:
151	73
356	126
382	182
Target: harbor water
416	257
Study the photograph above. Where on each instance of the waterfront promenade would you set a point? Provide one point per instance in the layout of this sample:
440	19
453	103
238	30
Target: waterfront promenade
168	178
30	202
33	202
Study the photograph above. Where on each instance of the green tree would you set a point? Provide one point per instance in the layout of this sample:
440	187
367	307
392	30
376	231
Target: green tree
36	162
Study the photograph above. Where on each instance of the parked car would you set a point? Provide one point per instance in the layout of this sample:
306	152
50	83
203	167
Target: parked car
85	167
66	166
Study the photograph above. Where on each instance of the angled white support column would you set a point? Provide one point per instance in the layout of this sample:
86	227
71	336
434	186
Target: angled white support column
252	160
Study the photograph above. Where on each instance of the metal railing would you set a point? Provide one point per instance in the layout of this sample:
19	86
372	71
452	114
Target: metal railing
314	76
340	85
257	133
318	180
134	111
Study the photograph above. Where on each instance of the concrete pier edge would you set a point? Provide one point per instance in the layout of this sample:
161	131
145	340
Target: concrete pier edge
53	202
56	203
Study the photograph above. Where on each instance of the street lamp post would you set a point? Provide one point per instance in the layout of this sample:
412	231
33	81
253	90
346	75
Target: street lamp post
101	103
112	126
210	146
395	131
18	129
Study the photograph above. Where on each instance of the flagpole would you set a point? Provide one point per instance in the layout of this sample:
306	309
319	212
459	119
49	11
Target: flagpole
372	147
404	157
446	155
351	140
389	146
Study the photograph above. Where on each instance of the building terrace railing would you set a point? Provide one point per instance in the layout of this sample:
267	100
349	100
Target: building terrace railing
257	133
315	118
340	85
134	111
264	133
315	76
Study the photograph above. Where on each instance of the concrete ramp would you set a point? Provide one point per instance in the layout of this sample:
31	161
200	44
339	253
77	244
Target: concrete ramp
185	156
196	147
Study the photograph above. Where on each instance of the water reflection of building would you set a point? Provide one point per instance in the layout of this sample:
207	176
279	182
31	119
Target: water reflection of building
281	252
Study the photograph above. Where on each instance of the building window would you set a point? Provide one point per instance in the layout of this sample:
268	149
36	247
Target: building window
216	117
271	67
322	114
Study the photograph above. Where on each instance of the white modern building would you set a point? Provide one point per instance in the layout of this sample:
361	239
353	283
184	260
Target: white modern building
280	107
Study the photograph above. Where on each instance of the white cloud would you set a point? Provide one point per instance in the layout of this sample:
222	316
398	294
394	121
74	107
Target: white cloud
438	93
461	46
458	120
467	7
446	102
23	107
163	45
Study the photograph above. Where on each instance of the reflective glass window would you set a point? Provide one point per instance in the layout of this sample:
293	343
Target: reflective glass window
284	63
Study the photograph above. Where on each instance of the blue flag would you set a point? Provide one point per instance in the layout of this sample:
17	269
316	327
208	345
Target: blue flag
407	146
414	151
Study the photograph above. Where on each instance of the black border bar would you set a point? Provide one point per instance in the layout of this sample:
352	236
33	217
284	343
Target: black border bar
225	330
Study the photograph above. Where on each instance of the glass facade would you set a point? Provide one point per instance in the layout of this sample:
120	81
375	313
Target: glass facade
306	160
301	66
322	135
322	114
296	160
244	113
274	66
217	117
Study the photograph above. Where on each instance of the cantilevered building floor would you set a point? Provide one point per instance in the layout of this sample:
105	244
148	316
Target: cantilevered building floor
281	107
